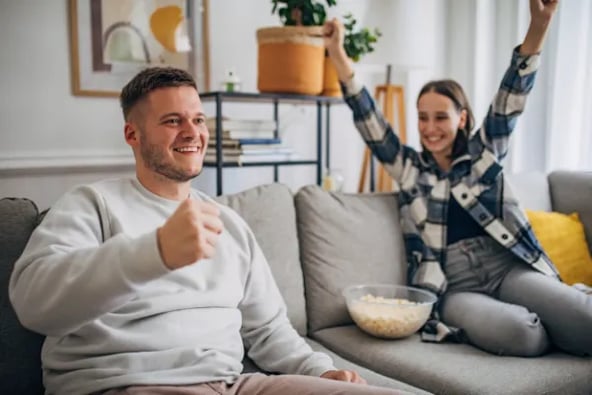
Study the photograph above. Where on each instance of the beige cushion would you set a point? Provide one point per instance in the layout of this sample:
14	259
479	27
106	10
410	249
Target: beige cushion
269	211
346	239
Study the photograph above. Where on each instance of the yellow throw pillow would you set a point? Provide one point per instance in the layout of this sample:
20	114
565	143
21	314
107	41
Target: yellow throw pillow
563	239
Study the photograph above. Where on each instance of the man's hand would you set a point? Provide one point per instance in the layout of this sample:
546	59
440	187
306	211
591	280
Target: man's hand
344	375
190	234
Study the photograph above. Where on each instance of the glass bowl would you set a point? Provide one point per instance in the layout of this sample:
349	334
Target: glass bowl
388	311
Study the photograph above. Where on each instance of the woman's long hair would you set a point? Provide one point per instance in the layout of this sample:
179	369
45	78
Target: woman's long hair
452	90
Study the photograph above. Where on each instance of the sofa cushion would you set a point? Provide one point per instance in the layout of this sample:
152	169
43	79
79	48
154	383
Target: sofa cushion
269	211
346	239
371	377
531	190
563	239
459	368
571	191
20	363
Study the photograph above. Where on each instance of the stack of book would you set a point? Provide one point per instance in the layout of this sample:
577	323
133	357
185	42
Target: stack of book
247	141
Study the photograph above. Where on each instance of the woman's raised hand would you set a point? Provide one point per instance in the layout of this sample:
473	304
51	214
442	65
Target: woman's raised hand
542	11
333	33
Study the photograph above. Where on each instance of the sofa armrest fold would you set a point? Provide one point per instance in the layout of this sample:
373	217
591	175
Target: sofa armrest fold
572	191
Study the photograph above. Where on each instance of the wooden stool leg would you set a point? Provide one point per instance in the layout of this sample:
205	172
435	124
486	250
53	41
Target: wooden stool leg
389	95
364	170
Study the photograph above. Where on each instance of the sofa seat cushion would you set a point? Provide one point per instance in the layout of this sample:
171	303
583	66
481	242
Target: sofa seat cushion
269	211
346	239
371	377
20	349
459	368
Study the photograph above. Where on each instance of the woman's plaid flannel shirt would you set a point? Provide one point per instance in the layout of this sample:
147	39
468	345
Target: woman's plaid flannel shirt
476	180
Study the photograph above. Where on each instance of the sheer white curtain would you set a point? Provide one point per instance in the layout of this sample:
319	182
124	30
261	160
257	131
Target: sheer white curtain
555	132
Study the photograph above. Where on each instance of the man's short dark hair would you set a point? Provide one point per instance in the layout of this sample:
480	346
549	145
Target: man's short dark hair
149	80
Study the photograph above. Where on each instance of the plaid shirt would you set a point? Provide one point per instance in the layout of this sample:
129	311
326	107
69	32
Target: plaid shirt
476	180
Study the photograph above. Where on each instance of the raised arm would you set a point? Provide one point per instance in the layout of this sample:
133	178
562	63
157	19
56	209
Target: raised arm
541	13
377	133
518	80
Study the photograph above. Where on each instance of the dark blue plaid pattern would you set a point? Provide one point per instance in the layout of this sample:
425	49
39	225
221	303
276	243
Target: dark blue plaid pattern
475	179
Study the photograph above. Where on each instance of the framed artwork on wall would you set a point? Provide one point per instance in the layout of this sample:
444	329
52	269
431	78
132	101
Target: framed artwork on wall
112	40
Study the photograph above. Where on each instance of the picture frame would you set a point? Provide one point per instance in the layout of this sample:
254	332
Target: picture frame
112	40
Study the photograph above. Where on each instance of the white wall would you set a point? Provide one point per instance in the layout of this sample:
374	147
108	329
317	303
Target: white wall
80	139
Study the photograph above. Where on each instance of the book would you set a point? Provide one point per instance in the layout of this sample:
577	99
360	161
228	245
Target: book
256	141
253	149
210	158
244	134
243	125
244	142
265	149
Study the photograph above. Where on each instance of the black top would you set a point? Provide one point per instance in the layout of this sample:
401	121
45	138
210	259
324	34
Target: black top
460	224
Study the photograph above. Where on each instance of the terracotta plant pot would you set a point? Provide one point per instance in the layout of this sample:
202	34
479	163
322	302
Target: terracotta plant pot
330	81
290	59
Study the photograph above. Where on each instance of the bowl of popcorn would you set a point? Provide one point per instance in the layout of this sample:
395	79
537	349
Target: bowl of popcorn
388	311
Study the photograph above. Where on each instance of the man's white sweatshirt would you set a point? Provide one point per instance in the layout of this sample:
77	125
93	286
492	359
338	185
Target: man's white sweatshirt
92	280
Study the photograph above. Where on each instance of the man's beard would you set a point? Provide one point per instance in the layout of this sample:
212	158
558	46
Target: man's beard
155	160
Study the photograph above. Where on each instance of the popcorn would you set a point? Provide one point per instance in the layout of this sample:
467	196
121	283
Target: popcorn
388	317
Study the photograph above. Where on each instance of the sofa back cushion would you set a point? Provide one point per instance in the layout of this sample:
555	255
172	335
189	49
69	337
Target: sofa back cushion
531	189
20	349
346	239
571	191
269	211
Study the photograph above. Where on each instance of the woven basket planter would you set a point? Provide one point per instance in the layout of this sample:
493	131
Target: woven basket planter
290	59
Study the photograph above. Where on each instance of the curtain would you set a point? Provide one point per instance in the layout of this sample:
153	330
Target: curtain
555	131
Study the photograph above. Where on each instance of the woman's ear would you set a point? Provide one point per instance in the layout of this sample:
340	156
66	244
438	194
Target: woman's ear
462	122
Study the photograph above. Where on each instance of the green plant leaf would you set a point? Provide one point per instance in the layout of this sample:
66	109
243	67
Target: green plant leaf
313	13
358	42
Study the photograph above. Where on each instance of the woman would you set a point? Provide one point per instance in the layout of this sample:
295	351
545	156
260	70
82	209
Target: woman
466	237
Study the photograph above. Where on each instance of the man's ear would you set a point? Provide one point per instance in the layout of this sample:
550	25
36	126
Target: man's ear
131	134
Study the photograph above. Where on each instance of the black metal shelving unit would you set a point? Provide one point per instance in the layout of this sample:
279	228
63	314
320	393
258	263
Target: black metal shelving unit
321	102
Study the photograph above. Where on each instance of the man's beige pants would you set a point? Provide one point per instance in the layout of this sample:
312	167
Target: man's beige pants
260	384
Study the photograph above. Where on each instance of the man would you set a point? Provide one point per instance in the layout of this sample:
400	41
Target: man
145	285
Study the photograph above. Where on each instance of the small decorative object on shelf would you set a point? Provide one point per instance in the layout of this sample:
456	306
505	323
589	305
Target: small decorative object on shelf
333	180
232	82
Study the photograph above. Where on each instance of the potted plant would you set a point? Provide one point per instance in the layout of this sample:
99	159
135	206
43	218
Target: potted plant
291	57
356	43
301	12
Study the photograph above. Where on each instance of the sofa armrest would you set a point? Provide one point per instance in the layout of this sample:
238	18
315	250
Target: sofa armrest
572	191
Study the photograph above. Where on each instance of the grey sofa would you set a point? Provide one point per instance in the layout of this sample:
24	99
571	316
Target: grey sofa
317	243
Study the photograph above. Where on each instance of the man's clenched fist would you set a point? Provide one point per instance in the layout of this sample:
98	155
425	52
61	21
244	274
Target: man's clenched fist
190	234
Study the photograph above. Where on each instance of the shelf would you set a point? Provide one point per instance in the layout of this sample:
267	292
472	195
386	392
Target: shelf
322	104
269	97
253	164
